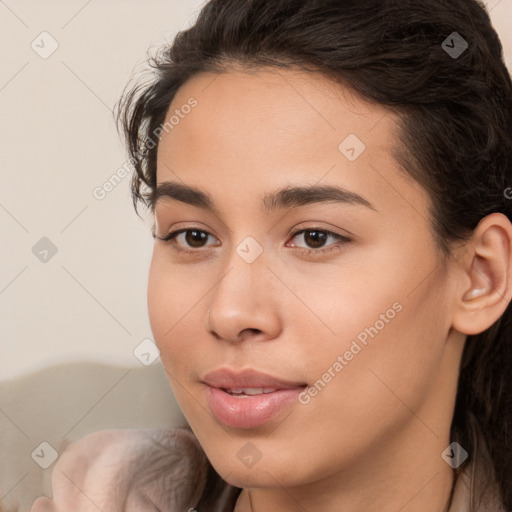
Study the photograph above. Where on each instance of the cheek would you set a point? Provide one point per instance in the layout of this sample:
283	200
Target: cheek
390	335
393	370
169	296
174	294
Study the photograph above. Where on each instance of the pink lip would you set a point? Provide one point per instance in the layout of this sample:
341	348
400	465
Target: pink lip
251	411
226	378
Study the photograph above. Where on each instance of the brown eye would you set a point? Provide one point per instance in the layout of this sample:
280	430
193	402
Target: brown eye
195	238
315	238
189	240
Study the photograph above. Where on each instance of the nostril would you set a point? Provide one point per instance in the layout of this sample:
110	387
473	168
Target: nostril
250	331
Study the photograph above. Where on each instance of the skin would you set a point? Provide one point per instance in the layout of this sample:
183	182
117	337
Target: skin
372	439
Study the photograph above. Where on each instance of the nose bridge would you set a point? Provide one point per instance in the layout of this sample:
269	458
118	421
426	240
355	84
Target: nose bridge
245	264
243	299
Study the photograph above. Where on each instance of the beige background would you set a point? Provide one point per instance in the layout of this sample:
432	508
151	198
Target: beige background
70	325
58	143
88	302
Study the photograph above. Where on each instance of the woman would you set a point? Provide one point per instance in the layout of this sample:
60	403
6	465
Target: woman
331	276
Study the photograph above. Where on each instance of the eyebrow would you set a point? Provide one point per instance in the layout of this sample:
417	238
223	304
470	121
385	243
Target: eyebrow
288	197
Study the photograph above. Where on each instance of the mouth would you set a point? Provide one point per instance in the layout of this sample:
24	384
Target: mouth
248	399
246	392
252	381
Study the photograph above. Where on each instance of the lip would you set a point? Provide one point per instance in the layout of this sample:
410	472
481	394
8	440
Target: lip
248	378
251	411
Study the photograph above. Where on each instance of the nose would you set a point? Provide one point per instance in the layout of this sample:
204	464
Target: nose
245	303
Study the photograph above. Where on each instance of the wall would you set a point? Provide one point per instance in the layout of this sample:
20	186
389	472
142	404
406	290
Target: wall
74	263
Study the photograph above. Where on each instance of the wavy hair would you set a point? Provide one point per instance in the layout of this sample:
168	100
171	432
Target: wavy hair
455	137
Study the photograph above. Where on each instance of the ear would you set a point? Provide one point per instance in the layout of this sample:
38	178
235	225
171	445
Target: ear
485	284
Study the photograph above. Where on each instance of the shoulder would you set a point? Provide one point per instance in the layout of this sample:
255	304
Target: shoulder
137	446
165	467
166	461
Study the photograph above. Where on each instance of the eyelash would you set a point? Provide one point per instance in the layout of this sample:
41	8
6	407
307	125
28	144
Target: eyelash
170	240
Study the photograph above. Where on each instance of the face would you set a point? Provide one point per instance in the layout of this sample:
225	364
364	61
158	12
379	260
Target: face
329	305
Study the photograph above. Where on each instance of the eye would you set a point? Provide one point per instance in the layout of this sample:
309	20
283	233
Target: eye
316	238
191	237
195	239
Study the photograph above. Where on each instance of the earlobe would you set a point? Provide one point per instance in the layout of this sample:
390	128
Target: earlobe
488	265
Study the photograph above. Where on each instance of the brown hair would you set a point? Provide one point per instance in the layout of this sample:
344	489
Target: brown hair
455	133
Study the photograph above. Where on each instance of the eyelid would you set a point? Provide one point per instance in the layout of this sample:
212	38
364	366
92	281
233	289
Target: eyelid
307	226
178	230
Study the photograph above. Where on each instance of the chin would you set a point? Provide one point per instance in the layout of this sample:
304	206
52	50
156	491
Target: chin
252	478
262	474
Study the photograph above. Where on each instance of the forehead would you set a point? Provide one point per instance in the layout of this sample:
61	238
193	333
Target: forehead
294	105
251	128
